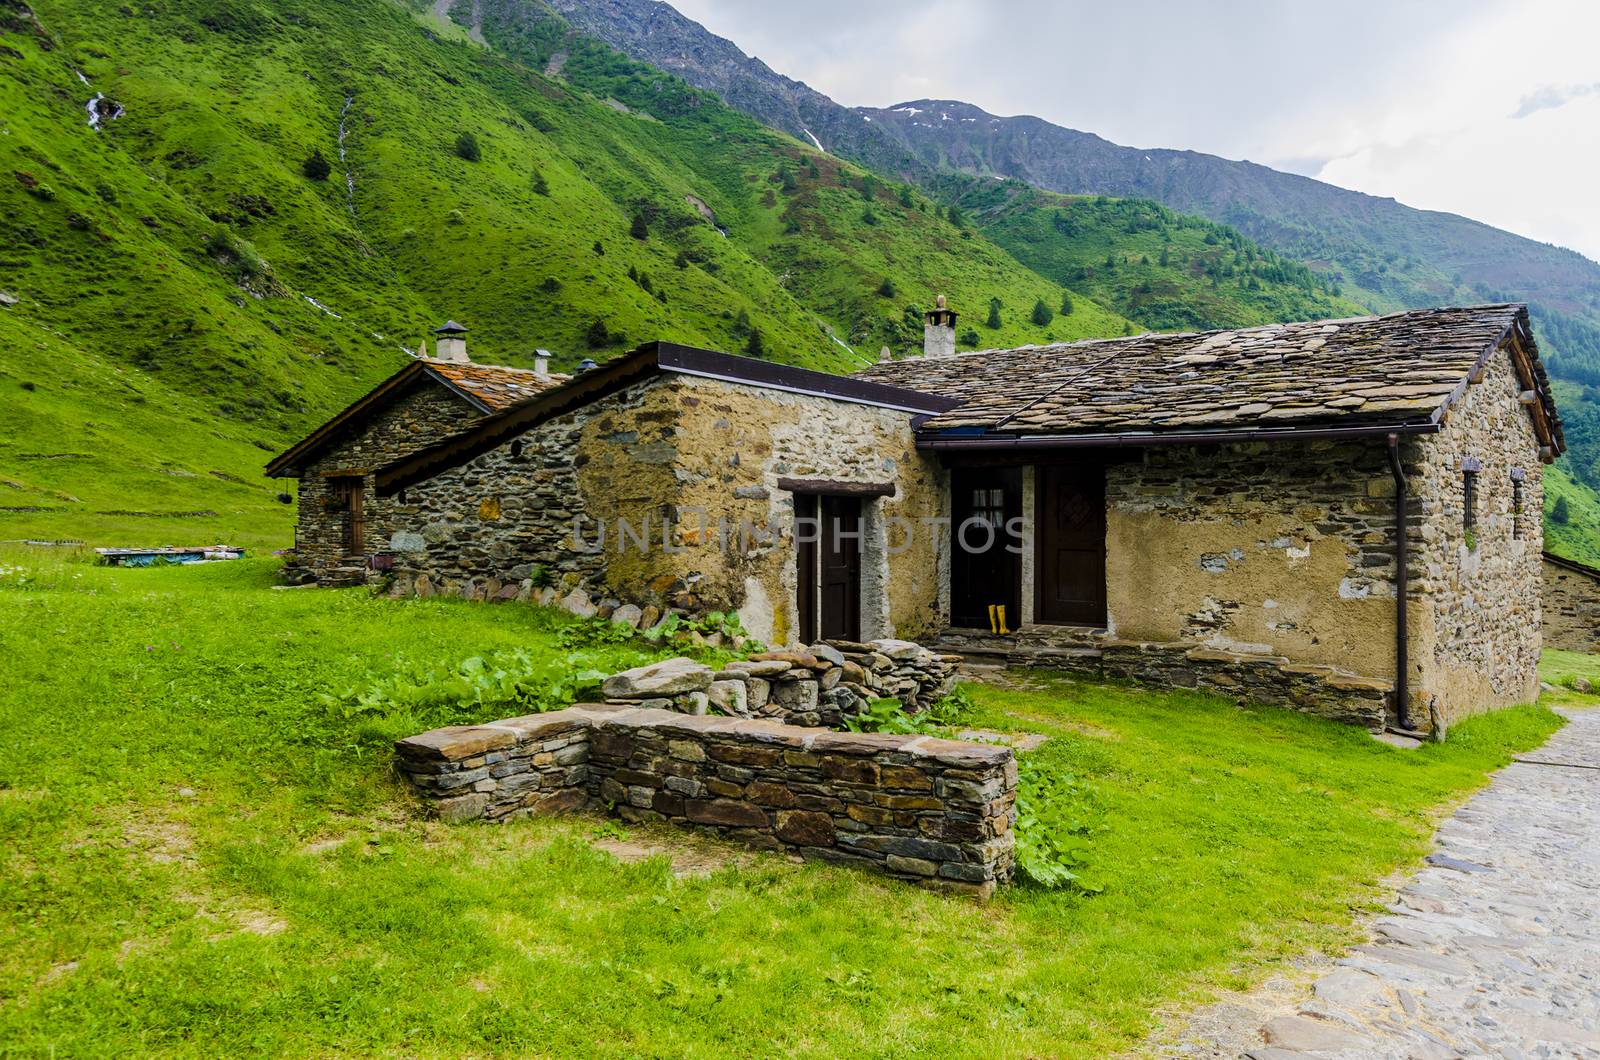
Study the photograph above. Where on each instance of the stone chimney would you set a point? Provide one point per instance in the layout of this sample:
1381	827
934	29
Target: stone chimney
885	355
451	345
541	362
939	330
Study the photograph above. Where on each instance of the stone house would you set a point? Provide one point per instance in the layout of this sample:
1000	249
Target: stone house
1571	605
342	523
1213	510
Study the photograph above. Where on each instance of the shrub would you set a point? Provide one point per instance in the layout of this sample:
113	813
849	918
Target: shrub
1560	514
754	346
540	185
1066	303
315	167
1054	811
638	228
886	288
598	335
1042	314
969	337
467	147
994	314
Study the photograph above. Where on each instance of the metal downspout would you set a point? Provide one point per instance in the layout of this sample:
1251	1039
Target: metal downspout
1402	691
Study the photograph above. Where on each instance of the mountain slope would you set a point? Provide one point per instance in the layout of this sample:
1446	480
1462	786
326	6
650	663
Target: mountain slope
181	298
1383	254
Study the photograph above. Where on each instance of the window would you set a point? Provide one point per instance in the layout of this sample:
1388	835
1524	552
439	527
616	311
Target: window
1516	503
1469	500
989	506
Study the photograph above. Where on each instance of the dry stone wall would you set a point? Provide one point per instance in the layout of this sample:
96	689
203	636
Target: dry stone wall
1571	605
693	467
935	812
1476	612
823	685
414	422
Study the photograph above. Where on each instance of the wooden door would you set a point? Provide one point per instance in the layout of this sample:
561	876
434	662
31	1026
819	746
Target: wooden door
1070	531
983	570
348	493
839	568
828	568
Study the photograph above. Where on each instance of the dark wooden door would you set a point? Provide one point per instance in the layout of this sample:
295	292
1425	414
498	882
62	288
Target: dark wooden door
1070	531
839	568
828	570
348	494
983	570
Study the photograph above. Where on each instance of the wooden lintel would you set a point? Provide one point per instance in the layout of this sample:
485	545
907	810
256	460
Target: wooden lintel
823	487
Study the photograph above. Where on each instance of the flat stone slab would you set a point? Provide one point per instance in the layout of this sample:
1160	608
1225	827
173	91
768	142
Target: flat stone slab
1472	959
1020	741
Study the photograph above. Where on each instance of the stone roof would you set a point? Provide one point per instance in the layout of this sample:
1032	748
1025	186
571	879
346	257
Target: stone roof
1401	368
496	386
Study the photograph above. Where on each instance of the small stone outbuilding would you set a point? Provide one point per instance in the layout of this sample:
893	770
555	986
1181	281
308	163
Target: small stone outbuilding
342	523
1215	510
1571	605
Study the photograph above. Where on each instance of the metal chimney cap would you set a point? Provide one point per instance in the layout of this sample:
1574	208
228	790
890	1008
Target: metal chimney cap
450	327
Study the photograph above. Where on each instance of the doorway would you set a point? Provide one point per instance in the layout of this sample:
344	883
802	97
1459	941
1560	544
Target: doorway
829	567
1070	561
985	558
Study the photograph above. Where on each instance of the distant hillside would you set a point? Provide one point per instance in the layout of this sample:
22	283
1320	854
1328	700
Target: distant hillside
183	295
1380	254
1168	271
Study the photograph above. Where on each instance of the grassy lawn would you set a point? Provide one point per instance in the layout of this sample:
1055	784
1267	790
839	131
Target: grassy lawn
197	857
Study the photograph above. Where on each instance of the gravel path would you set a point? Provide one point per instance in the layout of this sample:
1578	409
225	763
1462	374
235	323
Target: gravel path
1492	950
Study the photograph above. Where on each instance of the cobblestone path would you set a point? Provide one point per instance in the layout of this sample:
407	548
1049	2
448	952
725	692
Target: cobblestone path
1492	950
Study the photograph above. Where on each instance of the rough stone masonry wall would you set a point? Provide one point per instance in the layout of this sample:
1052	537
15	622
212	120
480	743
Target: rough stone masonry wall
1476	606
687	462
1275	574
1571	607
935	812
414	422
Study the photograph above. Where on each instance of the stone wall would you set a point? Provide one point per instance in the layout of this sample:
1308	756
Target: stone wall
935	812
689	463
1475	622
413	422
823	685
1571	605
1271	549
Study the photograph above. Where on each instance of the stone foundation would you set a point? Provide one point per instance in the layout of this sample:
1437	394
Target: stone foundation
1271	680
934	812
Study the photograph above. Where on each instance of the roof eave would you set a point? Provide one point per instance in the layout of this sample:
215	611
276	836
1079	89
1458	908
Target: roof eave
949	440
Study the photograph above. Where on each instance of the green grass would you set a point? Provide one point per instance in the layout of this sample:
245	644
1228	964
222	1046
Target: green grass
196	858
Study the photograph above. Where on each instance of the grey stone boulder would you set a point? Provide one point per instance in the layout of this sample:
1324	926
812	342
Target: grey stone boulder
828	652
761	667
667	678
628	615
730	697
694	703
898	650
577	602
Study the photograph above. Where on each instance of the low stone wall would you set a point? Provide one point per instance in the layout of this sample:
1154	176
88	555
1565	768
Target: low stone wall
1311	689
823	685
1271	680
1571	605
936	812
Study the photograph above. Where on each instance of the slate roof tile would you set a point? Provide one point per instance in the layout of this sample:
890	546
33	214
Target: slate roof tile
1400	367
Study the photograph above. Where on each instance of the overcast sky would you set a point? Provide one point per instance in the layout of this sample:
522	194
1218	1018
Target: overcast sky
1488	108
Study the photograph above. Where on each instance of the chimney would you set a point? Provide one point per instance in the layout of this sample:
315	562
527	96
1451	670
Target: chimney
541	362
939	330
451	345
884	355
